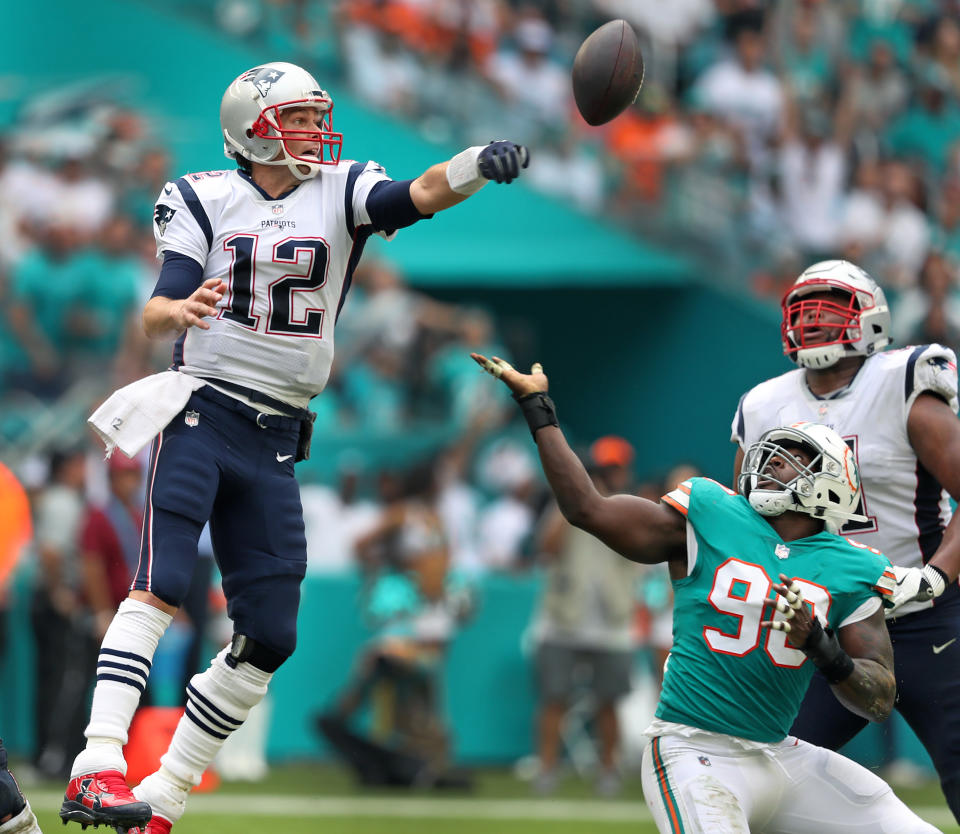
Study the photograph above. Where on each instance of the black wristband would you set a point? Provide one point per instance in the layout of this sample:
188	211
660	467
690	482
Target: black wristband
823	648
943	576
538	410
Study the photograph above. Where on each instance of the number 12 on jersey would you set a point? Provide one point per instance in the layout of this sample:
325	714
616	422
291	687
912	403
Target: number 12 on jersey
742	590
280	289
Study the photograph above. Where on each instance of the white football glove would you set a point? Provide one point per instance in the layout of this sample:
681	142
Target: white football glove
788	607
916	585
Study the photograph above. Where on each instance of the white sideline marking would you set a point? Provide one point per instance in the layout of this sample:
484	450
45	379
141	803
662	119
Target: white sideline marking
272	805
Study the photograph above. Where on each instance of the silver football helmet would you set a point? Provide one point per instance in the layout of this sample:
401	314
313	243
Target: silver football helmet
818	332
250	119
827	488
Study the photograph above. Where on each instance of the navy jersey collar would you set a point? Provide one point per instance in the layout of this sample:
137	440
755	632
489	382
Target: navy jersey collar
263	193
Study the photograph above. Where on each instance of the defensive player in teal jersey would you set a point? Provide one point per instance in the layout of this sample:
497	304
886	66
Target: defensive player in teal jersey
762	585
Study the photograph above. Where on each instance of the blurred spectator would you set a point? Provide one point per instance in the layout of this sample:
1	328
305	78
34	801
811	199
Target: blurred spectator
882	225
930	312
743	91
381	70
812	168
110	542
528	79
61	621
415	605
505	526
946	220
570	170
645	139
39	318
84	201
584	624
804	51
929	127
336	517
872	95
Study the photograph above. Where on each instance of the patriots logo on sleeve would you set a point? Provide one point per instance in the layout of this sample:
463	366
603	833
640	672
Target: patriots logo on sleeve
263	78
162	215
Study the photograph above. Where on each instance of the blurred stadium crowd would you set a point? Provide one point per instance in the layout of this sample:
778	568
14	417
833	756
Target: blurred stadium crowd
766	136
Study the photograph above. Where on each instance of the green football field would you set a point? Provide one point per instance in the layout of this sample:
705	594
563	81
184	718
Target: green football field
311	798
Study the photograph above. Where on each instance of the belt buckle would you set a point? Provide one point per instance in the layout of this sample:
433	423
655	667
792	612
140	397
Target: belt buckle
259	415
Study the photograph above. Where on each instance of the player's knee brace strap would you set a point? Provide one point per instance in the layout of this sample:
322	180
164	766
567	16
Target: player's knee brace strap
245	649
823	648
220	698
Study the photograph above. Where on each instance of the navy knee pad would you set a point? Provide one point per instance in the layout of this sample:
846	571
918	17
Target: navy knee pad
266	612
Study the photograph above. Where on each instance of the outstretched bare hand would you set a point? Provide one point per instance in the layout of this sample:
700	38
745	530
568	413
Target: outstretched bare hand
518	383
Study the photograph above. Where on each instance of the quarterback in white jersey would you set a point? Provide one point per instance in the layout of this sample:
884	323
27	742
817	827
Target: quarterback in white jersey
257	263
896	410
287	264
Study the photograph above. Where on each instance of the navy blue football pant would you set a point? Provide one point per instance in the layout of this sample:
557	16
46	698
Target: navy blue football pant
928	693
215	461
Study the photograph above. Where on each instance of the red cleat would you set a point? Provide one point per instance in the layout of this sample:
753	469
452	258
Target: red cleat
104	798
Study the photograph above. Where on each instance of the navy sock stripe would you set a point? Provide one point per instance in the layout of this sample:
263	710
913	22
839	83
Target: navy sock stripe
218	712
128	681
133	670
128	656
190	714
193	702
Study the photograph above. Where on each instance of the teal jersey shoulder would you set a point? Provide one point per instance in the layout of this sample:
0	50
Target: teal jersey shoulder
725	673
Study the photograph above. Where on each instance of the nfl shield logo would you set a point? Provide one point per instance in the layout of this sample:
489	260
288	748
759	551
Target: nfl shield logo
704	761
278	208
192	418
782	551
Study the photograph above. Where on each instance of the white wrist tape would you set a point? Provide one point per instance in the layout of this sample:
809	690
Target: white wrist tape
463	173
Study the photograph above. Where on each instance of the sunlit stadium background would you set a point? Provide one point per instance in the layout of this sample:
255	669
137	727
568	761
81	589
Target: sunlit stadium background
641	262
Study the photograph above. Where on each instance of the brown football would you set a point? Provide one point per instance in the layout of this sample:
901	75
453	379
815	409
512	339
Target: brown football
607	72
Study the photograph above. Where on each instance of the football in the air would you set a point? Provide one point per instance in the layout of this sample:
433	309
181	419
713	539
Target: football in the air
607	72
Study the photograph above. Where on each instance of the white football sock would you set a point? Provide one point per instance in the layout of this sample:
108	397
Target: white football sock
122	670
218	701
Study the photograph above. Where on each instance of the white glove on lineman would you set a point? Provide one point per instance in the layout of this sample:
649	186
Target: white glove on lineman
916	585
788	607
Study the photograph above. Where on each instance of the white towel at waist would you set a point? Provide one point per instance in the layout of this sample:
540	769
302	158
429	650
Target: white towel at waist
133	415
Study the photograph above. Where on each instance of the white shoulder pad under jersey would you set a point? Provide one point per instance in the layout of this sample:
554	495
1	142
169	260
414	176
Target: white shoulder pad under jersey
906	508
287	263
935	370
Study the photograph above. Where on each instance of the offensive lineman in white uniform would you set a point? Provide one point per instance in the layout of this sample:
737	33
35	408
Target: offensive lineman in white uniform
257	263
897	411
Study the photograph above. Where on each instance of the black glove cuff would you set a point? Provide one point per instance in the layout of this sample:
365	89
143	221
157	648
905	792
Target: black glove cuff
943	576
823	648
538	410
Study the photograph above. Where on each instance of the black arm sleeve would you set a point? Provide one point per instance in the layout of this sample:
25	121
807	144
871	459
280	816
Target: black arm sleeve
390	206
179	276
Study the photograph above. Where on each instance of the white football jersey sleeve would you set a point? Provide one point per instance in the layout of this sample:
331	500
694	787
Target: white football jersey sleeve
906	508
287	264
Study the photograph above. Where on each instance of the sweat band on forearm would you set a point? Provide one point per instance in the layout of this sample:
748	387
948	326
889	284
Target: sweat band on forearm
463	173
823	648
538	410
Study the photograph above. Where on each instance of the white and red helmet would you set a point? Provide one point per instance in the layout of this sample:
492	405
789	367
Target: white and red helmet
812	335
250	119
827	488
